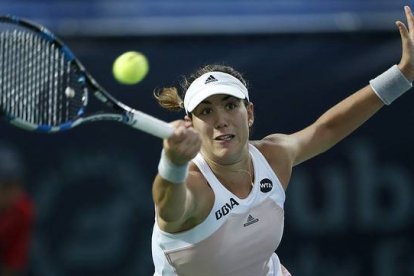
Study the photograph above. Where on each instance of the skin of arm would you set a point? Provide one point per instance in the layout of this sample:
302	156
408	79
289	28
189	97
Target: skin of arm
286	151
334	125
179	204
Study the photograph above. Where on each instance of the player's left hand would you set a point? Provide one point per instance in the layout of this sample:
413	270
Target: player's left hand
406	64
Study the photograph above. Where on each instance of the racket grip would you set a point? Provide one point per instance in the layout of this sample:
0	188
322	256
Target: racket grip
150	124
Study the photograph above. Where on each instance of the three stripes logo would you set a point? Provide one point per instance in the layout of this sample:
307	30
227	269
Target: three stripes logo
211	78
250	220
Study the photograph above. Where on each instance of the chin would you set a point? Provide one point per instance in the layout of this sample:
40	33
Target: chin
226	153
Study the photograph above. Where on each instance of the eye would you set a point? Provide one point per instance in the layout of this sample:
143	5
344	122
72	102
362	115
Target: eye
205	111
231	105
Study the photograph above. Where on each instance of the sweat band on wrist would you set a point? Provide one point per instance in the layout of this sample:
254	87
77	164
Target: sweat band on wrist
390	85
171	172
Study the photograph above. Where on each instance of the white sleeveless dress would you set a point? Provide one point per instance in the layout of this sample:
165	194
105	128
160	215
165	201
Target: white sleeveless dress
238	237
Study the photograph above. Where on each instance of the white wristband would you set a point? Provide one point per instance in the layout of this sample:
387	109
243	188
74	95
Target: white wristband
171	172
390	85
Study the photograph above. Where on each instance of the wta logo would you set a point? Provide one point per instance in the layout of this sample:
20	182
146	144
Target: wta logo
266	185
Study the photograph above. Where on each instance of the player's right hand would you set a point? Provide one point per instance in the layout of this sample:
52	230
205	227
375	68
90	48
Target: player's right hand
184	144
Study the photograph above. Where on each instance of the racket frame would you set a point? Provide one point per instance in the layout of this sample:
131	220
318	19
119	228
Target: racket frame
124	113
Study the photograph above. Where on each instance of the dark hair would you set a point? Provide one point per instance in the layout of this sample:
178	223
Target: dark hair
170	98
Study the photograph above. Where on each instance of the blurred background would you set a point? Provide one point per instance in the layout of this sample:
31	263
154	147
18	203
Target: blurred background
348	212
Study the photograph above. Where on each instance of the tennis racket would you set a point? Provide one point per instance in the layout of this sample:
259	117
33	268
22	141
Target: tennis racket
45	88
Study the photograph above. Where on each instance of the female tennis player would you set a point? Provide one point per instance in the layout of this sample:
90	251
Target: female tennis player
219	197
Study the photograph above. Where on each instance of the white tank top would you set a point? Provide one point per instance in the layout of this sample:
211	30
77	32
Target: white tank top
238	237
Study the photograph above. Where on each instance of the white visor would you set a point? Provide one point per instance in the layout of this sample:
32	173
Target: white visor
213	83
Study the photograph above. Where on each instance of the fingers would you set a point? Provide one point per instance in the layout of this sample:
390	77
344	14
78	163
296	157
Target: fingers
410	19
181	131
403	30
184	144
406	64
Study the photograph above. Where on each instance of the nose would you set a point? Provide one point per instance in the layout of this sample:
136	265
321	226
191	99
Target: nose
220	121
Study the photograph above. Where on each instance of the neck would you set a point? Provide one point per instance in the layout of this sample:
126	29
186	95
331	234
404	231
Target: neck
235	176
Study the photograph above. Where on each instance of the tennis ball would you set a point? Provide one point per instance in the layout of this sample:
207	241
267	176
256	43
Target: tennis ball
130	67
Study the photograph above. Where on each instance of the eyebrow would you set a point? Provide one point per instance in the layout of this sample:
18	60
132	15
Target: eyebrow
225	98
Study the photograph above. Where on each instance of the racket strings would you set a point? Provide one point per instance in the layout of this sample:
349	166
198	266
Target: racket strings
73	82
34	78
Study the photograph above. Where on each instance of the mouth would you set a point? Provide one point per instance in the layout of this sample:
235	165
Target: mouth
225	137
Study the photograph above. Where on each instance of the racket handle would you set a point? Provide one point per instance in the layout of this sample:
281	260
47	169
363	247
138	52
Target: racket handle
150	124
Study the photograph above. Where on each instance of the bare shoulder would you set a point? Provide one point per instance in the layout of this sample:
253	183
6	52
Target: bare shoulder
275	148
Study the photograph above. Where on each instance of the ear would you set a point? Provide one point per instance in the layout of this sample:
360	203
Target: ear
250	114
188	121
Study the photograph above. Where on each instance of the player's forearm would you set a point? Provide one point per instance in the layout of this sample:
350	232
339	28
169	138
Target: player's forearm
335	124
170	199
349	114
169	189
345	117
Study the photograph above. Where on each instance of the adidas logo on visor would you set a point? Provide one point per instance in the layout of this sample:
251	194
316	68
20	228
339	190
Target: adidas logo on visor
211	78
213	83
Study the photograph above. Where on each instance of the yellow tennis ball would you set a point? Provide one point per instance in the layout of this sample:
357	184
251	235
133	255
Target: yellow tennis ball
130	67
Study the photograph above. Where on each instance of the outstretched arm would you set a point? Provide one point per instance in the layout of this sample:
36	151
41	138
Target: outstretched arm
346	116
174	200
